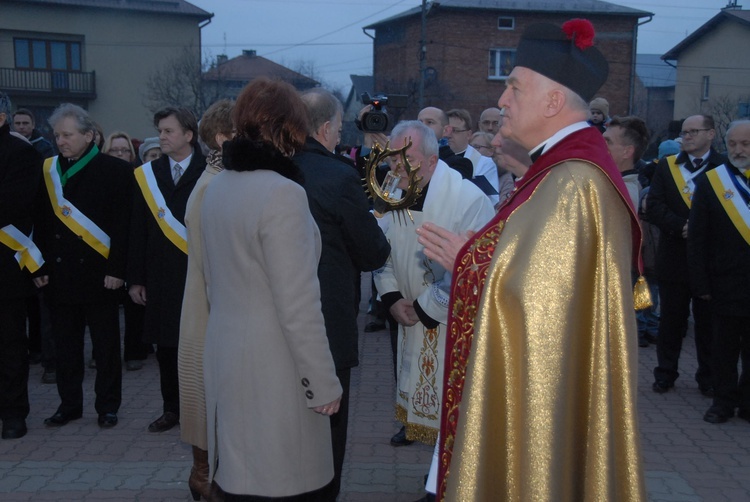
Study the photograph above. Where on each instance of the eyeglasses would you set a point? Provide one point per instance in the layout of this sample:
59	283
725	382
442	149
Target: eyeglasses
691	132
453	129
119	151
479	147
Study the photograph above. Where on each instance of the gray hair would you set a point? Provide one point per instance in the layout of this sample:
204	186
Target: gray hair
417	128
322	106
731	125
84	122
5	104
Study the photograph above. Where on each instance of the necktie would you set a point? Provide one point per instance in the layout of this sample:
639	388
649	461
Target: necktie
697	163
176	173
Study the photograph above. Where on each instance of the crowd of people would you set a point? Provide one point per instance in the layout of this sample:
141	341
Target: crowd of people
236	245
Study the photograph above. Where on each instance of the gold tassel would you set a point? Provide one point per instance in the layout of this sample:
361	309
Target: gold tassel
641	294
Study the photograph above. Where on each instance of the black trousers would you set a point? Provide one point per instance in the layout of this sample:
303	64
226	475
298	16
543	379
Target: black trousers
14	359
676	299
69	325
133	347
170	386
731	343
319	495
339	428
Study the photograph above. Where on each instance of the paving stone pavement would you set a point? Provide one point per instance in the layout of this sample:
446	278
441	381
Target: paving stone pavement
685	458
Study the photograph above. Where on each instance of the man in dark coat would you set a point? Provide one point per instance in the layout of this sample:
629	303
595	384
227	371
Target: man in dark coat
82	230
352	242
20	172
719	259
157	261
24	123
668	207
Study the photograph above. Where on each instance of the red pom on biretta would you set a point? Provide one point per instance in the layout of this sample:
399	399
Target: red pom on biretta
581	31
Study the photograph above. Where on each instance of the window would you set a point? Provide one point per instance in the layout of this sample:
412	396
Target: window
501	63
506	23
47	54
704	91
743	110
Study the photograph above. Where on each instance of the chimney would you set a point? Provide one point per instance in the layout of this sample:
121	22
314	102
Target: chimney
221	59
249	53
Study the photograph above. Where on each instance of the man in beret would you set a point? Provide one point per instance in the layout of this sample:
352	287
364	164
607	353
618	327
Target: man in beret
540	400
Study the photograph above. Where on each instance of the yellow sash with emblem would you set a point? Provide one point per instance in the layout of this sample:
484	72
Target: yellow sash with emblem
731	201
169	225
27	254
71	216
685	186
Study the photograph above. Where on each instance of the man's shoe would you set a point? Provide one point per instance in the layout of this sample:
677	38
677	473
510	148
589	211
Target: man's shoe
661	386
59	419
399	439
107	420
49	376
14	428
373	326
744	414
134	365
642	342
164	422
650	338
35	357
716	415
92	363
707	391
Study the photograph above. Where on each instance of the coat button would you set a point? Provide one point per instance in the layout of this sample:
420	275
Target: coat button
58	260
309	394
80	237
57	236
305	382
81	260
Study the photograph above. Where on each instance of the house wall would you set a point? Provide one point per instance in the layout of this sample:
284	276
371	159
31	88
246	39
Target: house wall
123	48
458	48
716	54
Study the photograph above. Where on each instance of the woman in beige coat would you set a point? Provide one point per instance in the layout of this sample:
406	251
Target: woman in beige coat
269	377
215	128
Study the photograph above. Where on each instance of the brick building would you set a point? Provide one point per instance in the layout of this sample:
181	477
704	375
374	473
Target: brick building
470	49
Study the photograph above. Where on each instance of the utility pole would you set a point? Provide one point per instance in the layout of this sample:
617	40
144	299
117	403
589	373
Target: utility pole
422	54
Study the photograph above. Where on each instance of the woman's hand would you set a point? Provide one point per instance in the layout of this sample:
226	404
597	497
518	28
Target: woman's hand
330	408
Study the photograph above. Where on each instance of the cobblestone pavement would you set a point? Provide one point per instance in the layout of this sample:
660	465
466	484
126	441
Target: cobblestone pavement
685	458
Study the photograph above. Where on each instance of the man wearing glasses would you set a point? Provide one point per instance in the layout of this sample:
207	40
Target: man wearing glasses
490	120
459	132
668	203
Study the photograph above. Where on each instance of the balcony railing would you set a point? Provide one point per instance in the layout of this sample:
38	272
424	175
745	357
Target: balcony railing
52	83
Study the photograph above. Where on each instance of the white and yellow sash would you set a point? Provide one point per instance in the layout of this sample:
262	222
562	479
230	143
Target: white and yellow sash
731	201
71	216
172	228
27	254
683	179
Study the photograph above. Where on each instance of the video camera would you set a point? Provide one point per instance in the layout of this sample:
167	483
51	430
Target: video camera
376	120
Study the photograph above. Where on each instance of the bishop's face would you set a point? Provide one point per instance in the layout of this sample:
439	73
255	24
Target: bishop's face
70	141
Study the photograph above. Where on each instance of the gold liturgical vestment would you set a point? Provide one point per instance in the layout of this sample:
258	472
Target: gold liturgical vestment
548	411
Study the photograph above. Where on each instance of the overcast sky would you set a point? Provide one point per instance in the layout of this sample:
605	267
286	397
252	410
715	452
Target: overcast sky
329	34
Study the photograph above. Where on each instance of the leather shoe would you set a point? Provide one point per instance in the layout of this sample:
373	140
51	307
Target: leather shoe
399	439
744	414
107	420
164	422
59	419
14	428
642	342
661	386
707	391
650	337
374	326
134	365
49	376
716	415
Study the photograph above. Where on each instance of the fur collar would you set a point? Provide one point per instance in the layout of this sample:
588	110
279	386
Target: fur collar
243	154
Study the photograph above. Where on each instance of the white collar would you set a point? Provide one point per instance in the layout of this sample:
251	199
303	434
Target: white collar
559	135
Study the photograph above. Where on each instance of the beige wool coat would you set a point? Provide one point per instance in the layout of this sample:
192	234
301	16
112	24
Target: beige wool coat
266	360
193	322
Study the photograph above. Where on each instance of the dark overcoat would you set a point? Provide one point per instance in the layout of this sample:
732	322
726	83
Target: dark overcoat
102	191
154	261
20	174
352	242
667	210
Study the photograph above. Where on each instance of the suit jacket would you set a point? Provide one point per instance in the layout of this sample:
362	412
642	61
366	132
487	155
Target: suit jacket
718	256
156	263
103	192
20	173
667	210
352	242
